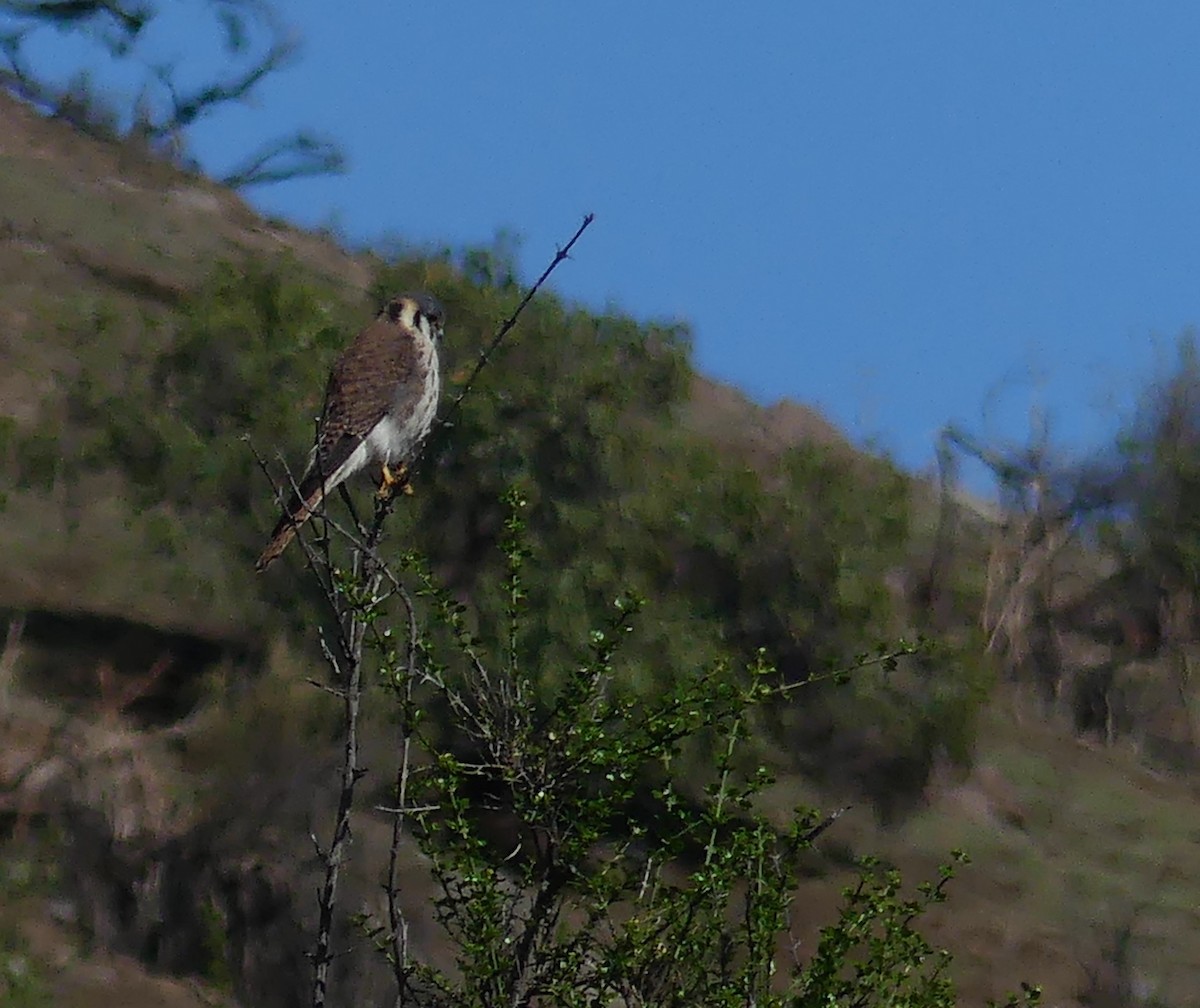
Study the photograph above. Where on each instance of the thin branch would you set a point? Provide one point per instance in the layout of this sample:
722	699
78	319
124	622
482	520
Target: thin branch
187	108
884	658
331	690
506	327
810	835
404	810
309	155
60	13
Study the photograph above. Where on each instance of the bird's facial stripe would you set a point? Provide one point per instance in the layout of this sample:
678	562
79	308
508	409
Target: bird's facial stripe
430	324
404	311
417	312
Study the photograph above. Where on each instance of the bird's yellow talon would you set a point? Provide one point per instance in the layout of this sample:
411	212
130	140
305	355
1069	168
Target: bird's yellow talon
390	481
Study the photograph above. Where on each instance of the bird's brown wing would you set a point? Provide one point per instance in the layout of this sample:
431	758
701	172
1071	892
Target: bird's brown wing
360	392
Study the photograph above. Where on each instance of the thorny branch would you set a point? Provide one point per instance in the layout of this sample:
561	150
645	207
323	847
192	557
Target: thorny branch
507	325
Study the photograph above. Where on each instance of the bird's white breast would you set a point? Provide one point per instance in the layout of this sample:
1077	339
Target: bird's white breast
396	437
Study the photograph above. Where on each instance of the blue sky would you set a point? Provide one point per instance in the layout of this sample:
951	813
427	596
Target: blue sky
902	214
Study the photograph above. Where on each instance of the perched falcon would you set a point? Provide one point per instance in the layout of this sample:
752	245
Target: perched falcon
379	405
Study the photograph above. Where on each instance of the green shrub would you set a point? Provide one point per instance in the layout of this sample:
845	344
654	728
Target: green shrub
607	883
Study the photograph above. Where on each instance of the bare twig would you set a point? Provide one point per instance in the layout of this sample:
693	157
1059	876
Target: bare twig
188	107
297	156
397	923
131	19
407	809
164	112
11	654
332	691
507	326
811	834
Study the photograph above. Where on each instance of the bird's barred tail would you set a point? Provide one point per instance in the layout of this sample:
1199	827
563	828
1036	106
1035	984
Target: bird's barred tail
298	512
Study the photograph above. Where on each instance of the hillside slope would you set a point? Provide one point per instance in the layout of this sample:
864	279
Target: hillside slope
131	511
92	231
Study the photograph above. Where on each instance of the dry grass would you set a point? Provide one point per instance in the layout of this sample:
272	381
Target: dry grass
89	226
1069	843
1105	843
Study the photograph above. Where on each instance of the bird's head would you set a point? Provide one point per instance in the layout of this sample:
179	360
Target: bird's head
421	312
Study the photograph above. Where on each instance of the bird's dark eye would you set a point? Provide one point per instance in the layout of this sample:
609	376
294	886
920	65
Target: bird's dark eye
434	320
394	310
432	311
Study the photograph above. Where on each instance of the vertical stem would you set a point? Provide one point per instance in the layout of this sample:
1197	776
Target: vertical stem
355	617
322	956
726	765
397	925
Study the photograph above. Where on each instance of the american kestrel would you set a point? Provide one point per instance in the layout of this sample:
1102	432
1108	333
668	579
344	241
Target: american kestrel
380	403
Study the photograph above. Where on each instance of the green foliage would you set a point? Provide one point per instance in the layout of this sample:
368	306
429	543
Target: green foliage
217	972
22	978
1161	451
877	921
230	370
21	983
588	899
